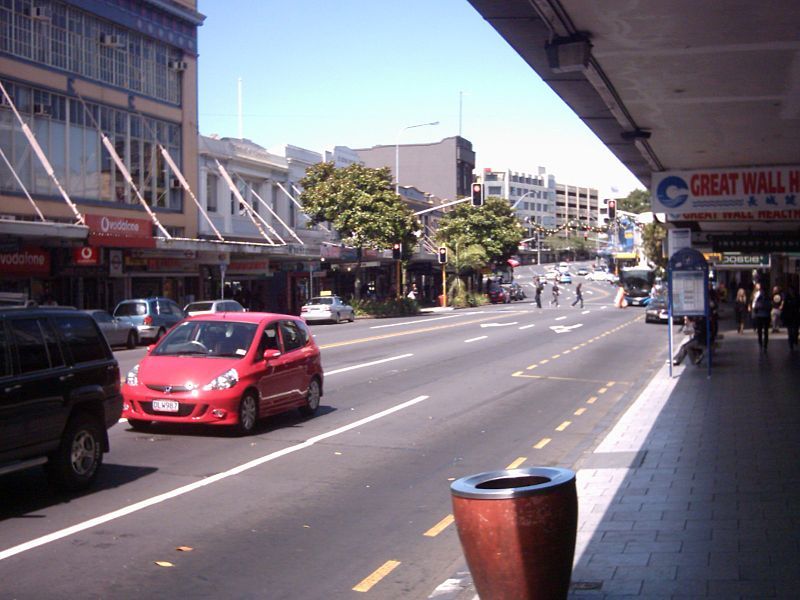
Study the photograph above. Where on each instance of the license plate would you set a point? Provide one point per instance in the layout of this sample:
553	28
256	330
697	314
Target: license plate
165	405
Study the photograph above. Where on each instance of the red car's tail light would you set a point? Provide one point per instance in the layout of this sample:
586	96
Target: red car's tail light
148	320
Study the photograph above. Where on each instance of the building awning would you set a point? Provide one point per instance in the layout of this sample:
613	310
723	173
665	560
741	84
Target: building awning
43	229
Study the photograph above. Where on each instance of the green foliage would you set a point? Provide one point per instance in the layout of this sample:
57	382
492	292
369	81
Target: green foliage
392	307
653	235
360	203
638	201
494	227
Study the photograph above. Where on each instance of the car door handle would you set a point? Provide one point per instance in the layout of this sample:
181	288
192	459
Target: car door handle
66	377
12	388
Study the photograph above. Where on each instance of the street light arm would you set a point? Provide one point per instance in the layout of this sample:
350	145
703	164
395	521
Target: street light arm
520	199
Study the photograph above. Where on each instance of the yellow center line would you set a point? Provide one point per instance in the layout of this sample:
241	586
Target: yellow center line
602	390
544	361
368	582
531	367
564	425
555	356
554	378
610	384
516	374
517	463
414	331
579	412
576	347
542	443
592	400
566	351
440	526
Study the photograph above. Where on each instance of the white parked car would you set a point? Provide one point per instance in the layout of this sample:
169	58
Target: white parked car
207	307
327	308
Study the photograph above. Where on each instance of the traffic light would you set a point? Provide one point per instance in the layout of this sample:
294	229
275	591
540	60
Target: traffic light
396	251
477	194
612	210
442	255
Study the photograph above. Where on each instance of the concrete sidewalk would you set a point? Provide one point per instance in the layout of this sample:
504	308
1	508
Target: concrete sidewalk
695	492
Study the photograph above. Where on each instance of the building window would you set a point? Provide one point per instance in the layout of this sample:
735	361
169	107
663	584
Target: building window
65	129
494	190
211	192
77	42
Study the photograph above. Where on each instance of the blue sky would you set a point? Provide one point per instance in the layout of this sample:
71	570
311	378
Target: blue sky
320	73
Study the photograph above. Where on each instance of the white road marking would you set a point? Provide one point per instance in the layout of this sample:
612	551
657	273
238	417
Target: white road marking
586	312
369	364
565	328
417	322
527	326
497	324
560	318
603	307
483	337
141	505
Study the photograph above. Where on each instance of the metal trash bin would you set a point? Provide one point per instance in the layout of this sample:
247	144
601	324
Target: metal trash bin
517	528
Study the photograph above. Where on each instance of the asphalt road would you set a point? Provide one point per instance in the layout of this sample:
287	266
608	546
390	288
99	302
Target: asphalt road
356	497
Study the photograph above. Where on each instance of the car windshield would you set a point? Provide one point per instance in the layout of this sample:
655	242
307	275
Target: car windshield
208	338
131	309
327	300
198	306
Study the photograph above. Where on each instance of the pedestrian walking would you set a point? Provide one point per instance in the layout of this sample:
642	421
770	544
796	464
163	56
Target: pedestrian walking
538	291
760	306
740	309
775	313
790	316
556	291
578	295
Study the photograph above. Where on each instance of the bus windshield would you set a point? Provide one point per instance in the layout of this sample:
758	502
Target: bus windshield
637	281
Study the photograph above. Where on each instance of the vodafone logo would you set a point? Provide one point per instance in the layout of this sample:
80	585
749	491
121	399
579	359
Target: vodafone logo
86	253
118	226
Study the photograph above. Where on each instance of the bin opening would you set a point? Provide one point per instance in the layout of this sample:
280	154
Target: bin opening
503	483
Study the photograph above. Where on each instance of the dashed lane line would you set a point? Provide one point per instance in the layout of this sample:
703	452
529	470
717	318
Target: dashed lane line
439	527
375	577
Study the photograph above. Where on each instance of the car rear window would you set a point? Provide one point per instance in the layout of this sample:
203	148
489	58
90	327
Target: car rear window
199	306
82	338
131	309
321	301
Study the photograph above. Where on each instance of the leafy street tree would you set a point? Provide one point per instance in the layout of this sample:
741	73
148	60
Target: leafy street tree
464	259
361	204
653	235
638	201
493	226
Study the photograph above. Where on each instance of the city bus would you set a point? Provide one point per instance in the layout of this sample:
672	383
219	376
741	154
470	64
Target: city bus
637	283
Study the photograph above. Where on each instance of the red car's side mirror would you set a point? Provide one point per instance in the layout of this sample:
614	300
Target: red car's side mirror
270	354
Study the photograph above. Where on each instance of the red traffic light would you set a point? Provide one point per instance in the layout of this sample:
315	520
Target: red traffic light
612	210
442	255
477	194
397	251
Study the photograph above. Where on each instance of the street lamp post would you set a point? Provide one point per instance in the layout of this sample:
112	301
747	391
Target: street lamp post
397	152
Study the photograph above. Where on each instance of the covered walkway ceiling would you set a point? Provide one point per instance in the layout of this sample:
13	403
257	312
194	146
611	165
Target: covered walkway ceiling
714	83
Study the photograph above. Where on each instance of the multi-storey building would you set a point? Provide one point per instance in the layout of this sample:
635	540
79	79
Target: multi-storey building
577	205
109	90
531	196
443	168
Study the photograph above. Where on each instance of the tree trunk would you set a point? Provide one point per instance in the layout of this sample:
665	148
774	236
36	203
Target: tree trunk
357	290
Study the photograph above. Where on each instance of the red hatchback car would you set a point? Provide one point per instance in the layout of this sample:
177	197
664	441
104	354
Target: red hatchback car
226	369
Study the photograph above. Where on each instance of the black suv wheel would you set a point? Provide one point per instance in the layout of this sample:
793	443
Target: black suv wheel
73	466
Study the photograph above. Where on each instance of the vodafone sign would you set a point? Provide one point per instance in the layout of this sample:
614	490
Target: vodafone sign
86	256
28	261
116	231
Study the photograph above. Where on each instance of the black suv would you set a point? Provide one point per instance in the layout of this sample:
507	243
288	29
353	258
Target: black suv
59	393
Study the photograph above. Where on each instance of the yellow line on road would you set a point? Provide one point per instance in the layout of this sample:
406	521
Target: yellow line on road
531	367
544	361
542	443
373	338
580	411
592	400
517	463
367	583
564	425
610	384
555	356
440	526
521	374
602	390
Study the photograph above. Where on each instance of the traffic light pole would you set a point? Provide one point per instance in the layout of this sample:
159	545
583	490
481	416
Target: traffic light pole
444	285
399	281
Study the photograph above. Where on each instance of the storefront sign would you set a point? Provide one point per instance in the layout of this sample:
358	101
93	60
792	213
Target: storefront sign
757	242
120	232
761	193
87	256
248	266
172	265
678	239
27	261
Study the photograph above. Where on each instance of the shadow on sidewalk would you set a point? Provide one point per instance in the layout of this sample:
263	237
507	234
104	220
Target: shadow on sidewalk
695	491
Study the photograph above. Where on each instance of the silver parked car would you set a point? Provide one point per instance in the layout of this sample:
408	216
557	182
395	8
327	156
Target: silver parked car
153	317
117	332
207	307
327	308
